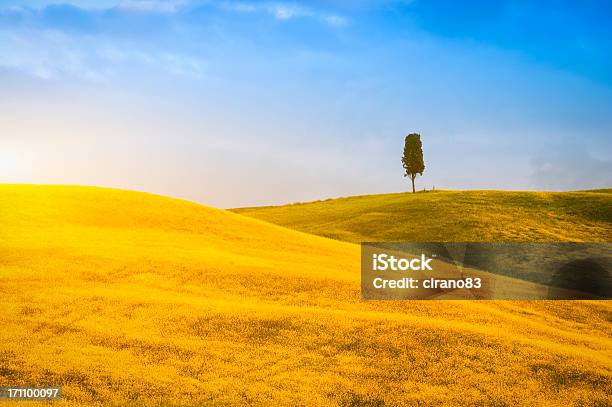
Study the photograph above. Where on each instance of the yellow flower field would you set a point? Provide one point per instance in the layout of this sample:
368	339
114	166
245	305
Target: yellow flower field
126	298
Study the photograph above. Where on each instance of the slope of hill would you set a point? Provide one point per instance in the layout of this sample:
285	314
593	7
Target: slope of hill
127	298
451	216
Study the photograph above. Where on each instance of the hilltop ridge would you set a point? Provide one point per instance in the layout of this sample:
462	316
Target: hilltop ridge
451	216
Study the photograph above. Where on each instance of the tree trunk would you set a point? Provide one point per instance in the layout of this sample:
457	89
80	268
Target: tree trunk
412	177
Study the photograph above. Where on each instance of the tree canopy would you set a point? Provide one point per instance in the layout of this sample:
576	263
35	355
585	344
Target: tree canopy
412	159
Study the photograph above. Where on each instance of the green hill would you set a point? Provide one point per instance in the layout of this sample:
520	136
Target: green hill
451	216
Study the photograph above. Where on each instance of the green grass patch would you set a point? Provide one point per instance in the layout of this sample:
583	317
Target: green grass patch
452	216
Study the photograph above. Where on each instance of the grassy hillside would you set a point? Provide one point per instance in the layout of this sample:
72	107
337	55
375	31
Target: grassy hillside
452	216
135	299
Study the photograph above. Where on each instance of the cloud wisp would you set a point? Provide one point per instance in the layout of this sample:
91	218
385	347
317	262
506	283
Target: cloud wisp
569	168
97	40
284	11
51	54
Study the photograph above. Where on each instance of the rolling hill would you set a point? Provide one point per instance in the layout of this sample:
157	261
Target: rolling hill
128	298
452	216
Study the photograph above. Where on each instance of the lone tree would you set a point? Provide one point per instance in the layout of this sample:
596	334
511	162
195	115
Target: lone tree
413	157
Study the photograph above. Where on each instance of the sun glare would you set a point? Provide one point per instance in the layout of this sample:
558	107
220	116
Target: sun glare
11	163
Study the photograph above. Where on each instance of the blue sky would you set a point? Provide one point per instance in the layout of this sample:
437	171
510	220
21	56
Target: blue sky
234	103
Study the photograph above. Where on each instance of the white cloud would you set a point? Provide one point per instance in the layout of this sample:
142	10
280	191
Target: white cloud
335	21
159	6
46	54
284	11
154	6
281	11
570	167
241	7
50	54
84	4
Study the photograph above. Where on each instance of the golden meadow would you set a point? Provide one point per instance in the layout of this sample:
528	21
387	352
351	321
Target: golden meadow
126	298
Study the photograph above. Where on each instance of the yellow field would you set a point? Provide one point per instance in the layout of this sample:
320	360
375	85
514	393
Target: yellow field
133	299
